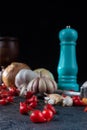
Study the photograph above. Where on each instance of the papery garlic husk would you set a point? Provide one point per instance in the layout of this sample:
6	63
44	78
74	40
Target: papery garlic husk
67	101
55	97
51	101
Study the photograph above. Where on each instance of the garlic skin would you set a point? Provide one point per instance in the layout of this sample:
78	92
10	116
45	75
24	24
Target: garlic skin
67	101
54	98
51	101
46	99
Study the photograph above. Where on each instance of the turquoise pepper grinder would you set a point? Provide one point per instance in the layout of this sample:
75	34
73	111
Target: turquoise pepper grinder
67	68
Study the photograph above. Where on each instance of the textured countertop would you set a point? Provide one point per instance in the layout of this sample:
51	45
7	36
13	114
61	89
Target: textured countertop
67	118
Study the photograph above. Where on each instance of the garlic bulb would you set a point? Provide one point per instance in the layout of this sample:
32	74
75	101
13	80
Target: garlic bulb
24	76
9	73
41	85
67	101
44	72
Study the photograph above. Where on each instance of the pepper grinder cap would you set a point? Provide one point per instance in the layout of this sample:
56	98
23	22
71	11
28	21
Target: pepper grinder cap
68	34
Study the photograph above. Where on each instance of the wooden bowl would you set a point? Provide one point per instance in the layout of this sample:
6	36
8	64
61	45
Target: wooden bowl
9	50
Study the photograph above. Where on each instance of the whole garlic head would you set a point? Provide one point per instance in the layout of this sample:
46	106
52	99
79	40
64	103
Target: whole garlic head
42	85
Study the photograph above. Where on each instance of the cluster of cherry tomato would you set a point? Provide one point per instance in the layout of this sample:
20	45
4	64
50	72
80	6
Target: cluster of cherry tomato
77	101
29	106
36	115
7	95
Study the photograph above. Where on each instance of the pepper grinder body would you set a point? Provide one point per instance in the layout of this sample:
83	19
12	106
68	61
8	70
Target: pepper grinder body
67	68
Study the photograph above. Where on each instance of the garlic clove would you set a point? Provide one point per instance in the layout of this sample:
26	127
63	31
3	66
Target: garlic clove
35	85
54	84
46	98
67	101
56	97
51	101
30	85
23	91
50	88
41	86
22	85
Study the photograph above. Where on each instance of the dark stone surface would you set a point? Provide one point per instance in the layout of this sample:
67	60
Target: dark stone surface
67	118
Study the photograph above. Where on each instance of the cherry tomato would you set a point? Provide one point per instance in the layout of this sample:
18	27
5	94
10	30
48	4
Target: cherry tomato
76	98
29	94
77	101
32	99
4	94
13	91
3	101
48	114
49	106
36	116
23	108
3	86
33	104
10	98
29	108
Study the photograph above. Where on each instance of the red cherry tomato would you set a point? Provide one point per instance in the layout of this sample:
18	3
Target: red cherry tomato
49	106
4	94
76	98
33	104
23	108
13	91
3	101
48	114
29	94
77	101
3	86
32	99
36	116
10	98
29	108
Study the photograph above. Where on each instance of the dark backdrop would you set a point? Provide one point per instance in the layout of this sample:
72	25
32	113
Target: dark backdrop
38	34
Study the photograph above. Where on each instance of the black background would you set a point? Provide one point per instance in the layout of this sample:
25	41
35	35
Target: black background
38	30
